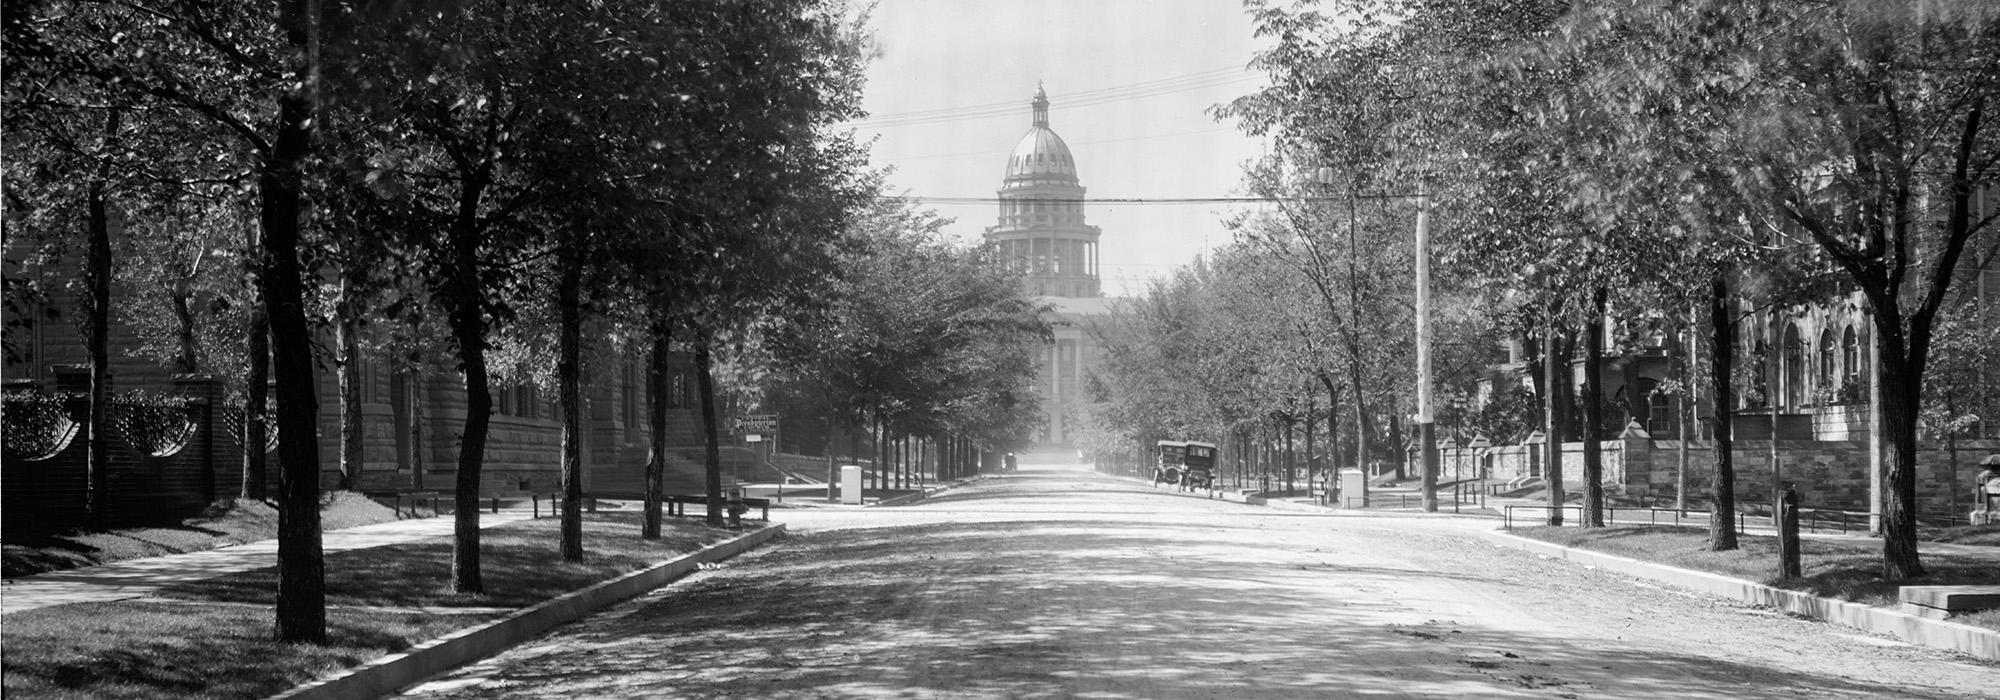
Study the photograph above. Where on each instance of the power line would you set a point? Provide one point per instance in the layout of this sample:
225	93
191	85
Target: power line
1085	94
1121	200
1088	98
1078	143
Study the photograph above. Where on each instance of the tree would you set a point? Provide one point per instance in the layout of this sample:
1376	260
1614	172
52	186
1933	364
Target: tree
913	332
1860	127
249	75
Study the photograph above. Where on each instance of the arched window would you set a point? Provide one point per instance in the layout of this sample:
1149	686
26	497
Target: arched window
1827	367
1850	357
1656	410
1794	364
1760	386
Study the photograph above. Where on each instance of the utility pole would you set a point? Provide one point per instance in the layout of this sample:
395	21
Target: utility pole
1426	431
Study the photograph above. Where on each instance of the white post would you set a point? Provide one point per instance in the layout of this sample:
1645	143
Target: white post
1425	430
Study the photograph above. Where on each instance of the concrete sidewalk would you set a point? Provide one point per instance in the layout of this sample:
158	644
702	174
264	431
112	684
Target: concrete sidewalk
1757	525
137	578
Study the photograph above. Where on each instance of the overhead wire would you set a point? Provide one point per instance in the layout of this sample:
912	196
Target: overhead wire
1087	98
1121	200
1078	143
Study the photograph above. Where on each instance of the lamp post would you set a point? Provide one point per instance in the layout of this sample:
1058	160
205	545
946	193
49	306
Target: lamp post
1458	436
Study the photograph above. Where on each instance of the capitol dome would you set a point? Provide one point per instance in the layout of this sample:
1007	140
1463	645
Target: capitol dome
1041	154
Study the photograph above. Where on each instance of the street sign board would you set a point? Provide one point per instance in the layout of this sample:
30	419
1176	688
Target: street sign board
757	424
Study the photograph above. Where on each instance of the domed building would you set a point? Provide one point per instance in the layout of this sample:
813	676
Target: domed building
1042	236
1041	231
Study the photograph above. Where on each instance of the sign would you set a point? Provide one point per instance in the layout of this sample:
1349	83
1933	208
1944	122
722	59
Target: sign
759	424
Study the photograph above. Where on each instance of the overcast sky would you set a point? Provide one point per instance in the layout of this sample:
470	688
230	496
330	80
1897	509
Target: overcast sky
1130	84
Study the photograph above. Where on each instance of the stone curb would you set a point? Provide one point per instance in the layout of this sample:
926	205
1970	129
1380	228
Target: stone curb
1974	641
921	495
402	669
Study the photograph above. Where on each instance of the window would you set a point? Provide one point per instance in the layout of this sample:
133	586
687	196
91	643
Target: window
630	397
524	401
1658	409
677	392
1850	356
1794	367
1828	370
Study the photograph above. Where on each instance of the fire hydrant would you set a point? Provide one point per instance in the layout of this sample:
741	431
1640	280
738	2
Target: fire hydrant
736	507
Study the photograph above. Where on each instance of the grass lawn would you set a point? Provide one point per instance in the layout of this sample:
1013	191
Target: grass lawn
1845	569
234	521
212	638
142	649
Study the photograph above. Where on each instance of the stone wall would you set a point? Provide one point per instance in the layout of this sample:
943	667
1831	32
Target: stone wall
1827	473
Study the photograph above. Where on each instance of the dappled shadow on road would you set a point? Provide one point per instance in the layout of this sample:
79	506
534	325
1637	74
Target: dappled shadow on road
1095	608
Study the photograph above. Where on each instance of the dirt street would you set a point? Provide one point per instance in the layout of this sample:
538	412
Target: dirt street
1059	583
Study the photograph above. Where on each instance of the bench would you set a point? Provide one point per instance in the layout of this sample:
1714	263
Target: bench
1939	602
406	503
677	503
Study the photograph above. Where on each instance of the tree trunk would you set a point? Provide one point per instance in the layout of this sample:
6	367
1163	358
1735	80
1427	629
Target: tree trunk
1291	458
467	316
301	599
256	440
347	331
1777	469
1593	413
1901	397
711	441
1722	349
1363	425
1312	426
1554	400
181	297
97	338
569	305
657	371
413	393
1683	368
1397	454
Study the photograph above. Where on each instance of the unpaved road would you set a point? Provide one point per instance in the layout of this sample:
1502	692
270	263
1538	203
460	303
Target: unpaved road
1060	583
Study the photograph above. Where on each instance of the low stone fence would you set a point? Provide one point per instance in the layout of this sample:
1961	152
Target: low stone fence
1827	473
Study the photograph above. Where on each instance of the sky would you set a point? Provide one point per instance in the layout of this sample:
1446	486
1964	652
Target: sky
1130	85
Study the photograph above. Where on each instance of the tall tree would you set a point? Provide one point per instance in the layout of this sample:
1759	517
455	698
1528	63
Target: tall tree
249	73
1861	127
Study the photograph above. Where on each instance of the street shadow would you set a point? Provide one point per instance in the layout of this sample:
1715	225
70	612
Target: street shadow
1089	608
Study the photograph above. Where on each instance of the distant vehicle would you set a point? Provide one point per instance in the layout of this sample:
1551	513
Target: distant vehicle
1167	464
1188	465
1009	463
1198	466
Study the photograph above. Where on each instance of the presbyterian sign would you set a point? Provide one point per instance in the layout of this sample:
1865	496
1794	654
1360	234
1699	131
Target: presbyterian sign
760	424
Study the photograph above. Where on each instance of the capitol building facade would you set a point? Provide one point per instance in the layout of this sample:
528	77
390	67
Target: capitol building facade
1042	236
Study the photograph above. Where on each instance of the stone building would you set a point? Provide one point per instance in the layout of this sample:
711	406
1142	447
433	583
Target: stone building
1808	383
1041	235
